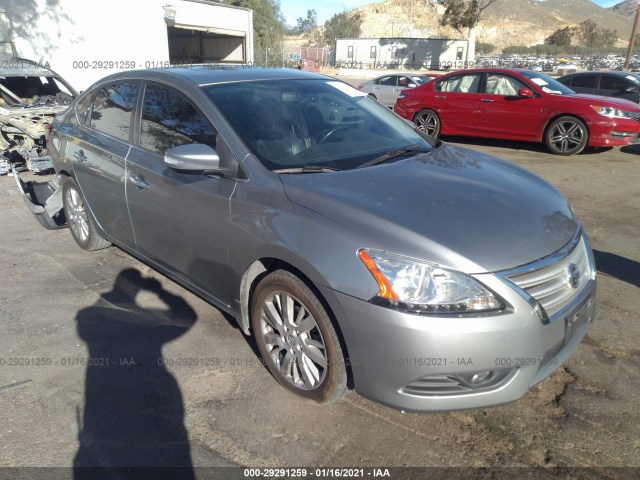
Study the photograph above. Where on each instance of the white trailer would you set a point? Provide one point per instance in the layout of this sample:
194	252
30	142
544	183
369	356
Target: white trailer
86	40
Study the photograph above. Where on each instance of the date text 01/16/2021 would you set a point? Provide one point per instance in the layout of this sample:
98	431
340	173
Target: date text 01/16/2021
324	472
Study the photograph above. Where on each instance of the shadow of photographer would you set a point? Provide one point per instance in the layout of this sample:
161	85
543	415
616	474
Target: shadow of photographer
133	413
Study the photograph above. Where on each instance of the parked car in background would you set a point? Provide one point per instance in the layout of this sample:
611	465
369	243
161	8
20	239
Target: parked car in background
348	243
517	104
386	88
30	97
607	83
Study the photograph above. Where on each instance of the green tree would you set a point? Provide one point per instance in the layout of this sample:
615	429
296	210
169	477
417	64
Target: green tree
484	48
341	25
307	24
268	26
464	16
594	37
561	37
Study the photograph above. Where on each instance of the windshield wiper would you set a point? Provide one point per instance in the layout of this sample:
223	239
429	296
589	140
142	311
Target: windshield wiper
307	169
395	153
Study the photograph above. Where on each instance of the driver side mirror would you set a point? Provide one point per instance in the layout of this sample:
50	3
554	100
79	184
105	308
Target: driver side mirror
193	158
525	92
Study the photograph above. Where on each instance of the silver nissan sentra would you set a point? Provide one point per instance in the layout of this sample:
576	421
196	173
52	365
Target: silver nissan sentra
354	248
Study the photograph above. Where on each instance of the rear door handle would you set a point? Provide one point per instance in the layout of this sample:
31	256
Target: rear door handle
79	155
138	181
487	100
441	96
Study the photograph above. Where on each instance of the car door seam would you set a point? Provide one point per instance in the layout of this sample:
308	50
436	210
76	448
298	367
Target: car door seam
126	195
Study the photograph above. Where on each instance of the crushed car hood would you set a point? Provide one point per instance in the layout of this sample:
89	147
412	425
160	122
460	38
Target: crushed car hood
457	208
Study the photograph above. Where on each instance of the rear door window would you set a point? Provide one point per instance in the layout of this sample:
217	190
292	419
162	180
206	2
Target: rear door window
459	83
111	109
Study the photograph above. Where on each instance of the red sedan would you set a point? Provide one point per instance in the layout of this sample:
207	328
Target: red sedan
519	104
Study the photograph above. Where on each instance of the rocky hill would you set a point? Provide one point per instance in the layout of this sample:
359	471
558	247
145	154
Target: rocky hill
505	23
626	9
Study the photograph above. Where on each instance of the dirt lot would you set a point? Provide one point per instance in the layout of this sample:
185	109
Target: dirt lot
60	305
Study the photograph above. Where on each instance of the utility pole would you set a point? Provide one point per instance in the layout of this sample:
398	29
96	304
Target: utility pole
632	40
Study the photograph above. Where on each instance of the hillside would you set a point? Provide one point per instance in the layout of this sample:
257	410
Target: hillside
506	22
626	9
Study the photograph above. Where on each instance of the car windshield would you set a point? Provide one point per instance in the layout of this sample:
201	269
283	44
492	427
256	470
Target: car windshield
291	124
546	83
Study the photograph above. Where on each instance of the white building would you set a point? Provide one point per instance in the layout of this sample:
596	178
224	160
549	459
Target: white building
429	53
86	40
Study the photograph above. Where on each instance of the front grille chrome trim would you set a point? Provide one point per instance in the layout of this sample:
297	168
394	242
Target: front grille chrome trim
546	281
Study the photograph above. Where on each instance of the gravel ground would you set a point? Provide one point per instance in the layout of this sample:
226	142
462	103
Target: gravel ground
62	305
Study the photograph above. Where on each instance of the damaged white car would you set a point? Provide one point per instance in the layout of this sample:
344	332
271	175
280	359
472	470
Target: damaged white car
30	97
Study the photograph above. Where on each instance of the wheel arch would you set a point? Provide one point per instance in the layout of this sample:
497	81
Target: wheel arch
564	114
261	268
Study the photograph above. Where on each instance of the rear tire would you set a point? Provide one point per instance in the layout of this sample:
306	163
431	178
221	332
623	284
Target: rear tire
428	121
81	225
296	338
566	136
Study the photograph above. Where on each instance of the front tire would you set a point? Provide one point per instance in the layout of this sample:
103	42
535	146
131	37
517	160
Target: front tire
566	136
296	338
82	227
428	121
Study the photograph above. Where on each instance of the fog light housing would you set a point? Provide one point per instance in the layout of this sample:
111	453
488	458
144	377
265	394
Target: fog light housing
480	377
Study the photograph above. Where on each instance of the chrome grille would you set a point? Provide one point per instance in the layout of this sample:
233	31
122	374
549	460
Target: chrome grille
552	285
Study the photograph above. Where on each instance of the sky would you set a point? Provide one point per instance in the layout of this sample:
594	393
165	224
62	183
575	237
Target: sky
292	9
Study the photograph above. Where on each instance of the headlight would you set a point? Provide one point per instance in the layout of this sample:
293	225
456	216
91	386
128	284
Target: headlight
425	288
610	112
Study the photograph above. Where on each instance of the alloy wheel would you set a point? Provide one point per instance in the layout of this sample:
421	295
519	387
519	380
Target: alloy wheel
293	340
78	219
566	136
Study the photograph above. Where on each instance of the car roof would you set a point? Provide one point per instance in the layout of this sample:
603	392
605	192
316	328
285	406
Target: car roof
493	70
613	73
616	73
209	75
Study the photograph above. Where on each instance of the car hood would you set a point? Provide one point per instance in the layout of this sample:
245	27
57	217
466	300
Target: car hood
603	101
454	207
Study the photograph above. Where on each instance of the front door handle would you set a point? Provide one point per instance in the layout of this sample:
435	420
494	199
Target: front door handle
79	155
441	96
138	181
487	100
